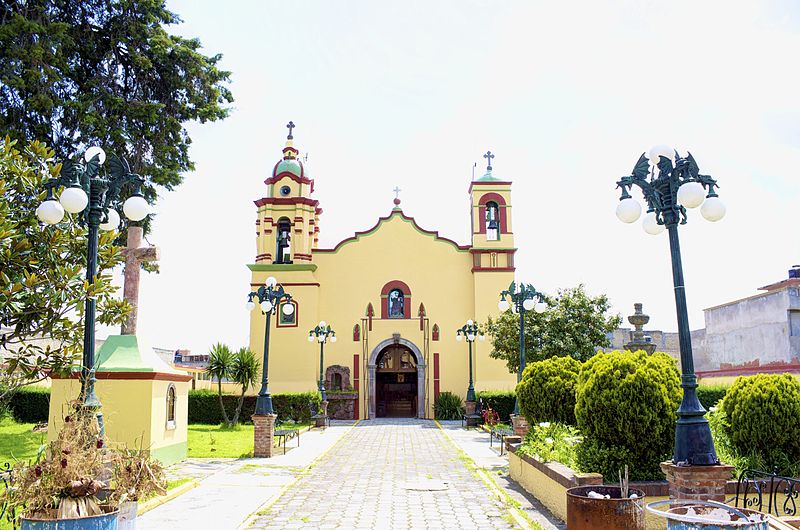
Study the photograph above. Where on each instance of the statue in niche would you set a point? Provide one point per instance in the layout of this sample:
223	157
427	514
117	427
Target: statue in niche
396	304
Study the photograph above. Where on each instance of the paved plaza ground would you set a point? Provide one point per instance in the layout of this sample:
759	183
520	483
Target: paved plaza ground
386	473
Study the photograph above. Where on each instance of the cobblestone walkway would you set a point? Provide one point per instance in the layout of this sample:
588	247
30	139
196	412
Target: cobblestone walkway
388	474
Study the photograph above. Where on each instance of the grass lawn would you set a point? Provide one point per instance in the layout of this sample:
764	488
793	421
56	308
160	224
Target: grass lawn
214	441
18	441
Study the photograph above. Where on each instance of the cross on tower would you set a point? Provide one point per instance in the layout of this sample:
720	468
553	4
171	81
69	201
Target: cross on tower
134	256
488	156
397	191
290	126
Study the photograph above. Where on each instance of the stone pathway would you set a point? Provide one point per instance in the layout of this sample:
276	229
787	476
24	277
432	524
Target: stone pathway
389	474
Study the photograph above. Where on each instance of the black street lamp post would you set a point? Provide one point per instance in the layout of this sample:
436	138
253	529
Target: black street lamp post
321	333
470	332
95	198
670	184
269	296
524	297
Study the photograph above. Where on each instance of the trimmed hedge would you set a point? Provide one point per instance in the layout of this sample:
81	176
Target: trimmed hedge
710	396
500	401
547	390
204	406
763	417
30	405
625	408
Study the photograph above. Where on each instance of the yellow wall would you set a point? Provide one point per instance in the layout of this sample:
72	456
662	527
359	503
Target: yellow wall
128	421
339	285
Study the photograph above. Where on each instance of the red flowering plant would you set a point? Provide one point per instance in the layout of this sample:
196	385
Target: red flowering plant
69	473
490	417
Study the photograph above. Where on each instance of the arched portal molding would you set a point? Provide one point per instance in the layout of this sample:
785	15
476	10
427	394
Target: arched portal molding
372	365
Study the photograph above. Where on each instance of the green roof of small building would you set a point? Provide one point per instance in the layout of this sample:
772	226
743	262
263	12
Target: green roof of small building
129	353
487	177
288	165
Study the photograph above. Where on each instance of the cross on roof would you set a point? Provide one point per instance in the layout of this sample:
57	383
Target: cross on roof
290	126
488	156
397	191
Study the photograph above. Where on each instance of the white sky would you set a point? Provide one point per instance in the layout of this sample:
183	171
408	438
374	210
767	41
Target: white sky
567	94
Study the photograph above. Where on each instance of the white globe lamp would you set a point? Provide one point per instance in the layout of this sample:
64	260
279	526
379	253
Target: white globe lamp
250	305
113	221
629	210
503	305
657	151
481	337
528	304
541	307
136	208
333	339
650	224
322	323
266	306
691	194
288	308
311	338
50	212
458	337
95	151
713	209
74	199
271	282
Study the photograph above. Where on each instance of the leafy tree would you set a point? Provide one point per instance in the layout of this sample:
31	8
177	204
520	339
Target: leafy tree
574	325
240	367
244	371
219	366
77	73
42	274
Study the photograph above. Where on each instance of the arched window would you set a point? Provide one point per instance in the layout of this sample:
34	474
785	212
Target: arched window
396	304
171	407
492	221
283	252
337	381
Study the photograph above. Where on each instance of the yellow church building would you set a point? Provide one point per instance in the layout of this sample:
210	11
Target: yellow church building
395	312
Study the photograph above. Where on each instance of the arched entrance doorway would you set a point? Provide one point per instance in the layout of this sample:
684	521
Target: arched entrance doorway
396	380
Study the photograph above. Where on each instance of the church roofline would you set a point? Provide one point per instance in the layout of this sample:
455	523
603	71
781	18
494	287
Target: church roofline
289	174
488	183
288	200
405	218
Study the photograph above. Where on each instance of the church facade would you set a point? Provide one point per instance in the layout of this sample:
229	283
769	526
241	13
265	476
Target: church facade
395	313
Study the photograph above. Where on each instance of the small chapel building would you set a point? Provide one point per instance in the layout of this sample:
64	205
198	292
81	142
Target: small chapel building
395	312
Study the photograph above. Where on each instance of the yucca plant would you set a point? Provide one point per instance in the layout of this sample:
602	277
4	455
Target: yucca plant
220	363
244	371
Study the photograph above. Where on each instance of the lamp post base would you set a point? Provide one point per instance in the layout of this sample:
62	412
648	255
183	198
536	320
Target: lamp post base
322	417
520	425
697	483
264	434
264	405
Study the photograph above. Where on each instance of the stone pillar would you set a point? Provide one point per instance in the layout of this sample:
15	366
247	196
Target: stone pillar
470	407
520	425
697	483
264	434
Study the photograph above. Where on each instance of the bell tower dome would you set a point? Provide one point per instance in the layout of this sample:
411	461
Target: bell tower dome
492	237
287	227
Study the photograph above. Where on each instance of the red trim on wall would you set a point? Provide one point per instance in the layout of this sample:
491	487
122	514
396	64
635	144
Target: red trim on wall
434	233
296	315
435	377
489	183
356	386
357	333
405	289
138	376
501	211
499	269
287	201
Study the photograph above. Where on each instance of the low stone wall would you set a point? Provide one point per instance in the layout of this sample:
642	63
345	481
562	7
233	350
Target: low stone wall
549	484
342	406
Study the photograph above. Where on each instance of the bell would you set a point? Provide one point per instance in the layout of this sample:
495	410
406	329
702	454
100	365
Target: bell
493	225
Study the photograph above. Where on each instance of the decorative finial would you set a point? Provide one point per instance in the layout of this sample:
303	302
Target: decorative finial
397	191
290	126
488	156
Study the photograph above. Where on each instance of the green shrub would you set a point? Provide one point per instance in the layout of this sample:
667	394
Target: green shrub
551	441
762	416
292	406
625	408
547	390
500	401
711	395
448	407
30	405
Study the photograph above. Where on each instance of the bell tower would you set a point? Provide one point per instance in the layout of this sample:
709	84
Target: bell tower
492	238
287	227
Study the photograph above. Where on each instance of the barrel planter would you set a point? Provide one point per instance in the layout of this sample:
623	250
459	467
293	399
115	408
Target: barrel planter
106	521
615	513
707	515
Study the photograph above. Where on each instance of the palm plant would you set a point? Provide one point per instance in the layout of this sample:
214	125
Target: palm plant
244	371
220	363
